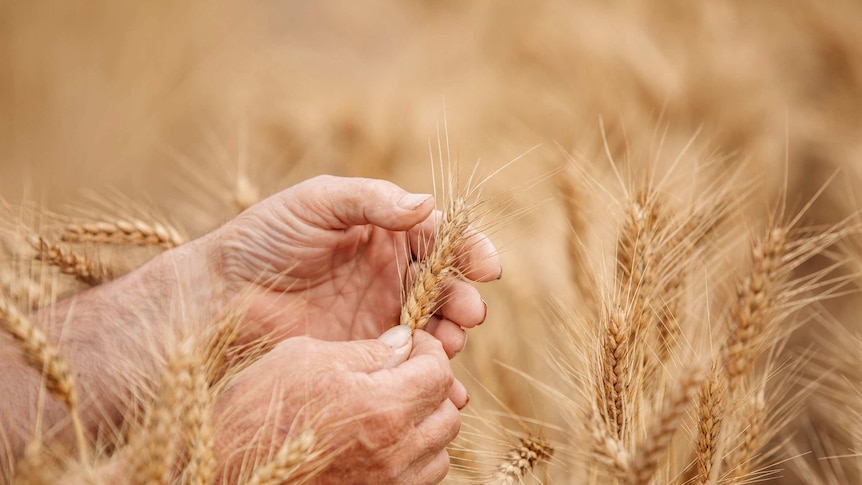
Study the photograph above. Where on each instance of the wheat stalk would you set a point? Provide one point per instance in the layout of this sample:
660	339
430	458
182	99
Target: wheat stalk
122	231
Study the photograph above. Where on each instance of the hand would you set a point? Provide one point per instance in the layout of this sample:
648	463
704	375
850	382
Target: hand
328	258
388	407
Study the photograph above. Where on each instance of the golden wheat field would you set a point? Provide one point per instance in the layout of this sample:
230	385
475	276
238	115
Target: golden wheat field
674	188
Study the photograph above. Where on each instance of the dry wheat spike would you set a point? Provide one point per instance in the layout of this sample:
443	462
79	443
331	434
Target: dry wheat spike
522	459
45	359
153	449
710	415
294	452
754	305
124	232
661	433
82	268
434	270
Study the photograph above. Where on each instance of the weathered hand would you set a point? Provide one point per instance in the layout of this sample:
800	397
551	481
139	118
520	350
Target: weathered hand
328	257
386	407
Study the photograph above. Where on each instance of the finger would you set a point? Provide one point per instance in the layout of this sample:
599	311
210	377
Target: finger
439	428
458	394
337	203
421	236
449	333
424	379
478	259
435	470
388	350
463	304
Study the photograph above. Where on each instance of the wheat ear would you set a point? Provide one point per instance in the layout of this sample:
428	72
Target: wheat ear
522	459
435	269
45	359
660	434
754	305
216	354
744	456
22	290
198	431
82	268
124	232
294	452
607	450
616	371
710	416
638	257
153	449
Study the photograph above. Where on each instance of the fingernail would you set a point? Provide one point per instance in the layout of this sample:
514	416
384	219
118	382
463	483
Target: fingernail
484	315
396	337
466	402
412	201
501	272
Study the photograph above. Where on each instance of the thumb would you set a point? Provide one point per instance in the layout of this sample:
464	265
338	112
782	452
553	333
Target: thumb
400	340
339	202
389	350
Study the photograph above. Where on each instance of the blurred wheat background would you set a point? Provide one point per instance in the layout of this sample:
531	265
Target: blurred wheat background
703	128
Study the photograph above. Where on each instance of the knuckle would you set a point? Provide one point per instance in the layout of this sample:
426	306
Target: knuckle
442	371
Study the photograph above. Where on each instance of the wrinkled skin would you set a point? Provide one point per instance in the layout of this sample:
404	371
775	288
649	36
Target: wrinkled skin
385	413
328	259
320	268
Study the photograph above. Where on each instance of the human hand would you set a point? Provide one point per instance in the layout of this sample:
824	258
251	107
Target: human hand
328	257
386	407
